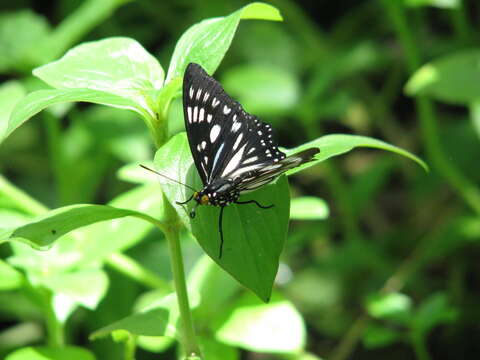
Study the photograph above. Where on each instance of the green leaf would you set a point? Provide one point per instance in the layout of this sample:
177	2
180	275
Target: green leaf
392	305
261	89
20	32
36	101
446	4
273	327
309	208
9	277
119	66
58	222
377	336
85	287
434	311
135	174
10	94
207	42
158	319
338	144
214	350
51	353
454	78
254	237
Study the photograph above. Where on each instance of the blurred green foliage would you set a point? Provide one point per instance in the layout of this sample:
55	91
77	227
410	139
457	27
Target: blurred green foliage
389	268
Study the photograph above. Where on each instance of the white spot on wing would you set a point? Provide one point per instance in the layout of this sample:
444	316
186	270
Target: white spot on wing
237	142
236	126
189	112
234	161
226	110
205	97
214	132
251	150
199	92
252	159
209	118
204	145
195	113
191	92
215	102
201	115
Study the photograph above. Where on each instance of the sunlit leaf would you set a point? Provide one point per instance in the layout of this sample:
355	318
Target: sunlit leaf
36	101
447	4
118	66
9	277
308	208
10	94
389	305
207	42
273	327
51	353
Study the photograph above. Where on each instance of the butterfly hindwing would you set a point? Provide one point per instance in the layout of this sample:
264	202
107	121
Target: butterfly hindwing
225	141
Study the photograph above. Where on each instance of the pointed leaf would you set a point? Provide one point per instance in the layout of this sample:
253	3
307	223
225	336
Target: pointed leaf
36	101
308	208
338	144
58	222
254	237
207	42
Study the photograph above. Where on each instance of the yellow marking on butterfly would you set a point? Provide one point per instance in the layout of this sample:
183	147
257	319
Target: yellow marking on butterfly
204	200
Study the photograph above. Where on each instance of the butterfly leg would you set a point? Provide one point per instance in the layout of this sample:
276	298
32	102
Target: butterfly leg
186	201
220	229
254	202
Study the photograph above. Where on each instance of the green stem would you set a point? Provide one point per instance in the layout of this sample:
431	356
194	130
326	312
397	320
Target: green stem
426	113
22	200
132	269
130	347
52	126
460	23
172	235
55	330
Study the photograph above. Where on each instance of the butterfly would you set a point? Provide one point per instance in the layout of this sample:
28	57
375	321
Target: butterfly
234	152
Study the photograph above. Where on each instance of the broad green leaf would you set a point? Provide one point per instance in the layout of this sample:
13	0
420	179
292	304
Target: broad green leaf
434	311
20	32
254	237
454	78
36	101
118	66
158	319
376	336
93	243
9	277
447	4
391	305
309	208
338	144
10	94
207	42
85	287
51	353
261	89
134	173
56	223
273	327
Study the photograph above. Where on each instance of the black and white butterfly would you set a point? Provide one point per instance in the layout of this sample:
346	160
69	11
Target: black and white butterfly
234	152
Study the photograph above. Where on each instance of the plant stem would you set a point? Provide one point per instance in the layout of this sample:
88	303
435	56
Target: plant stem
22	200
171	232
132	269
426	113
130	347
55	333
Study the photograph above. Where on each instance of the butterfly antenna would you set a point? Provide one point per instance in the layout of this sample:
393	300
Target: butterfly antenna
166	177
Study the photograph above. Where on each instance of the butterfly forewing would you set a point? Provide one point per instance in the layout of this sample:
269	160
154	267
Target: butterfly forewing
225	141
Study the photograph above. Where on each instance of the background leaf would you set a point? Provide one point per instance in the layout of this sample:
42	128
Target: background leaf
308	208
51	353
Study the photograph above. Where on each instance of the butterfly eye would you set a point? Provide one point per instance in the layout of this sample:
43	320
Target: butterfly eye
204	200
